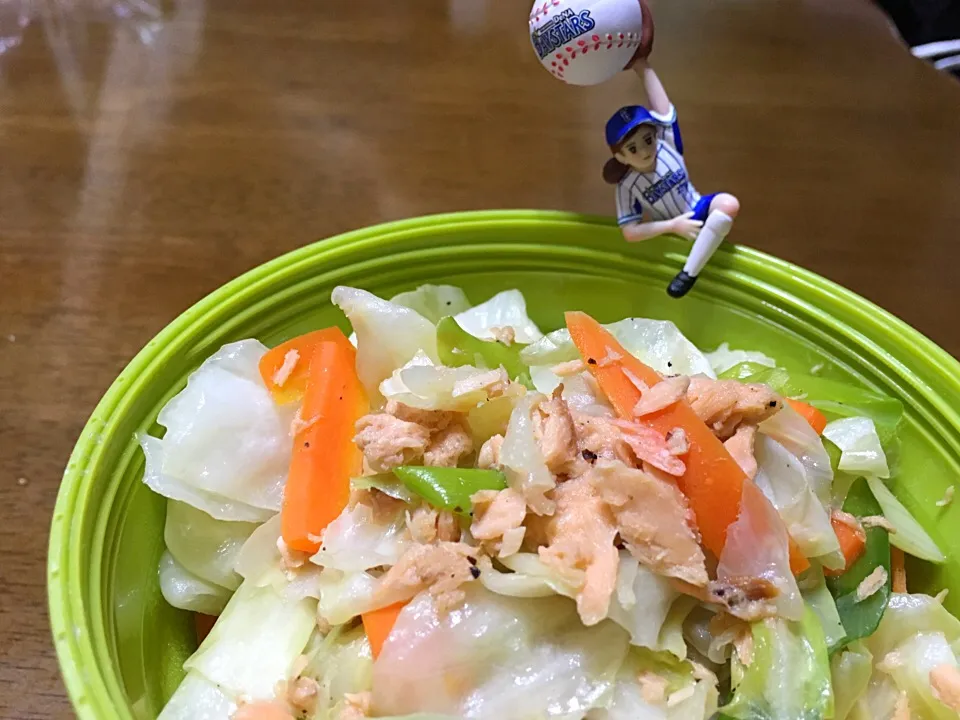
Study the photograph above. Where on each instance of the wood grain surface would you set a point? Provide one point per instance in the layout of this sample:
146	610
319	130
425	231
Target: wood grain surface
142	164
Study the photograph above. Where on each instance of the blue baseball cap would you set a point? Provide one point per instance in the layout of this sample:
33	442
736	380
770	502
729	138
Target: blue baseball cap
625	120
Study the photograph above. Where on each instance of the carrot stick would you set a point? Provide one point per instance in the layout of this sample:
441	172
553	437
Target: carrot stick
813	416
324	454
378	624
713	481
293	382
898	570
853	543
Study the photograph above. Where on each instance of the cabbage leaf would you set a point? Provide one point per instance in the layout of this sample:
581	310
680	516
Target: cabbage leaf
388	334
206	547
227	446
499	658
255	642
433	301
789	675
184	590
505	309
658	343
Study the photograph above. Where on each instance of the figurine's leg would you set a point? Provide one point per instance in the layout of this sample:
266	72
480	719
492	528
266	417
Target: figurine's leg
720	210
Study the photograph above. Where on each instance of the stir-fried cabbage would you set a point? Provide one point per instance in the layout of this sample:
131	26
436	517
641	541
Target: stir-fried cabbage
879	701
915	635
658	343
421	384
259	562
196	697
506	309
910	666
259	554
186	591
434	301
206	547
214	505
782	478
818	598
357	540
641	602
580	391
788	677
387	483
255	642
850	671
388	335
910	536
344	596
341	663
907	615
685	697
723	358
793	432
227	446
757	547
529	577
498	658
522	459
861	452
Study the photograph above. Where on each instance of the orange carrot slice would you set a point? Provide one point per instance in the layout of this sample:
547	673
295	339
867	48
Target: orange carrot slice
713	481
898	570
286	378
813	416
853	543
324	454
378	624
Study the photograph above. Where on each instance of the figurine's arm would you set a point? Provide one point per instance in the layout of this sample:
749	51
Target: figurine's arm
656	95
684	226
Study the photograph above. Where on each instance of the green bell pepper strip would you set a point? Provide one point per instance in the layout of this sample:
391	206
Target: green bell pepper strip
860	618
450	488
457	347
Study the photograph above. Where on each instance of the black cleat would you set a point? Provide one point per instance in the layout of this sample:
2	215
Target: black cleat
681	284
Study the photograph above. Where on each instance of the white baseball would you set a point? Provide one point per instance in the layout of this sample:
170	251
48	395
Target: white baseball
585	42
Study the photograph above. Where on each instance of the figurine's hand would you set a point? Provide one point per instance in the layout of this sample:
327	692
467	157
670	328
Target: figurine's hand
686	226
646	36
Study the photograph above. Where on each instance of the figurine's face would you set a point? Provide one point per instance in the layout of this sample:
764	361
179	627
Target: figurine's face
640	150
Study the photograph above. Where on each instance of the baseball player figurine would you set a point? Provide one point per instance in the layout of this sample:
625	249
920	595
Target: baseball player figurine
654	194
587	42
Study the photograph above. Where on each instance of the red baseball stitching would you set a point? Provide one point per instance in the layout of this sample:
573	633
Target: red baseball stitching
558	69
625	40
543	10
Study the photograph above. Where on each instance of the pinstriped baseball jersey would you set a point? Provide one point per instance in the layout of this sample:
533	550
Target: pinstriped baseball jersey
664	193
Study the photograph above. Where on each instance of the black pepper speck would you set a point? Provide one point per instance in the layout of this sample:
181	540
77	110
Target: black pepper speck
591	361
475	571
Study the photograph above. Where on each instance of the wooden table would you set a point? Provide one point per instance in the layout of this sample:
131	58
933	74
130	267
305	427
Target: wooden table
135	178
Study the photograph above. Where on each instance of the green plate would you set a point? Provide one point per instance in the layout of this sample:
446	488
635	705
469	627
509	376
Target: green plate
121	647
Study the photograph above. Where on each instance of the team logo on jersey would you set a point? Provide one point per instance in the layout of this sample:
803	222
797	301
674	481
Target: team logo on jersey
664	185
560	30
